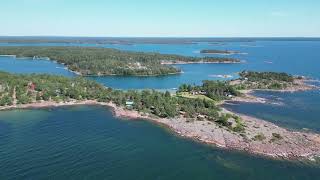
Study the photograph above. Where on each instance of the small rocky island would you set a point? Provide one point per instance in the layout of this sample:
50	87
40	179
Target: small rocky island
193	111
221	52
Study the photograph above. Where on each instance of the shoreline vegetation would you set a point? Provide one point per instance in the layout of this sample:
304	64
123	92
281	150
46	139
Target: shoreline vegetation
95	61
175	62
219	52
192	112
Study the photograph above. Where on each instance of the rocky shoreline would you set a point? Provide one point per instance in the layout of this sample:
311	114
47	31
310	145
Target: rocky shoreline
247	97
291	145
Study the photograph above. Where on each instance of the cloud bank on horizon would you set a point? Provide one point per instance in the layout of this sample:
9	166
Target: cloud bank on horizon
194	18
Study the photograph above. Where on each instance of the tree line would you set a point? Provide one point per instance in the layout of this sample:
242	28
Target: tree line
216	90
24	89
104	61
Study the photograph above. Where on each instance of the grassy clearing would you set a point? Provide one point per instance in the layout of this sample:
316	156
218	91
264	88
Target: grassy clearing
191	96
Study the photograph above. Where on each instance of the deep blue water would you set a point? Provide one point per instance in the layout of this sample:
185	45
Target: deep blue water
87	142
295	57
28	66
292	110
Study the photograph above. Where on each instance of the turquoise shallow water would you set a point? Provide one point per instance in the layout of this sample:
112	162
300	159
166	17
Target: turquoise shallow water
87	142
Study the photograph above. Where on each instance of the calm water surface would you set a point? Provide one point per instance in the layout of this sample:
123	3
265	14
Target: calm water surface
87	142
293	110
295	57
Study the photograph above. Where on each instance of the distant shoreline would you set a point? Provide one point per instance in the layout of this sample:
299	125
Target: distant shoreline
8	56
98	61
201	62
80	74
220	52
153	75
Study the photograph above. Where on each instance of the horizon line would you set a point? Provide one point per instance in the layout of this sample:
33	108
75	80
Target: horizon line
1	36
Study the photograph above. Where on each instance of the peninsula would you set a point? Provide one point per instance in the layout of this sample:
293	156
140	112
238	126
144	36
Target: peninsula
192	112
92	61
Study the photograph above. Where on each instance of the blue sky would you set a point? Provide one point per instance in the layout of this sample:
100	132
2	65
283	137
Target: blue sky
208	18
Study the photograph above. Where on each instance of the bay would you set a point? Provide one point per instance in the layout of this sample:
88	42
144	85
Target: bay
87	142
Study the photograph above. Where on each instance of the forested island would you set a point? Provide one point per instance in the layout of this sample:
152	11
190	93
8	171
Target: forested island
193	111
248	81
89	61
223	52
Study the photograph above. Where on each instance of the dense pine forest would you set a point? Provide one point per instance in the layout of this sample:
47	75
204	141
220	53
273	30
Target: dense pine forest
26	89
248	80
103	61
265	80
199	103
